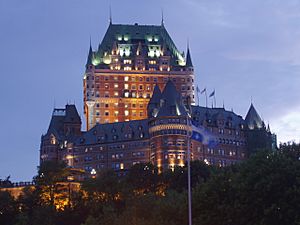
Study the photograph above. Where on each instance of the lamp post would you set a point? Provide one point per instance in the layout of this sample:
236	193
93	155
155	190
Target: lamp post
188	121
93	173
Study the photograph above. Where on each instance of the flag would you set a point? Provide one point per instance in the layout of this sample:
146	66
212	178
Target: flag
212	94
204	90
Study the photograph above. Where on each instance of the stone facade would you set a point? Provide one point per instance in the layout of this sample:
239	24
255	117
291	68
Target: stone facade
139	108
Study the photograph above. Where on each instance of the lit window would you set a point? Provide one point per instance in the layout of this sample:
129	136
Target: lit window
126	78
116	93
121	166
153	62
116	113
116	104
127	61
133	94
126	112
126	86
116	85
126	94
127	68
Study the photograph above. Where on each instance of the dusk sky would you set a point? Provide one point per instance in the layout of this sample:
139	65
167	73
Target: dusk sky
242	49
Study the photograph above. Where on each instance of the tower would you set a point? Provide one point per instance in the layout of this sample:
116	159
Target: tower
122	73
168	126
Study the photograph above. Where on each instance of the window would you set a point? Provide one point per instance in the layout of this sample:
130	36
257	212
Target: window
126	86
106	94
155	79
116	94
116	85
106	105
126	78
141	87
126	112
106	113
126	94
133	87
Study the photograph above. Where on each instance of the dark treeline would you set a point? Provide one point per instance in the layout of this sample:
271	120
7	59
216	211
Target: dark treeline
263	190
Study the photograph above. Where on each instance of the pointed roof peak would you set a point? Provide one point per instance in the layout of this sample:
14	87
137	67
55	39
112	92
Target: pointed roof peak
253	119
162	17
90	54
188	57
156	95
110	15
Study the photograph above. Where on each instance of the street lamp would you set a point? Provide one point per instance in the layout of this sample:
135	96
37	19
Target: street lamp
93	173
188	136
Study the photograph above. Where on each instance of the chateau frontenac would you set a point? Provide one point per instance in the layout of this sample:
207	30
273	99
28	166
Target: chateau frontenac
139	107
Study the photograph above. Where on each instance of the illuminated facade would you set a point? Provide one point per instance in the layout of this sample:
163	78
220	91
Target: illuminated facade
139	108
121	74
214	135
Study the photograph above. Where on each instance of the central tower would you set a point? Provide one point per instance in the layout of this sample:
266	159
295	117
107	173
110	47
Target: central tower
121	74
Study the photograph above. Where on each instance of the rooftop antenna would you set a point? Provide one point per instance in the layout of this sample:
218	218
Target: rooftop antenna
223	104
110	15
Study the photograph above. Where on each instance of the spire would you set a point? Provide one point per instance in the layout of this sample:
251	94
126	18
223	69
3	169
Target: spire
171	102
155	96
188	57
162	17
110	15
90	55
252	119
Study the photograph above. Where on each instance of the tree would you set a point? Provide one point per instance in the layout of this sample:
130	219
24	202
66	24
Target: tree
8	208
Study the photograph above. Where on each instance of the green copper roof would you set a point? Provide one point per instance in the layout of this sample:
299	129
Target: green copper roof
132	35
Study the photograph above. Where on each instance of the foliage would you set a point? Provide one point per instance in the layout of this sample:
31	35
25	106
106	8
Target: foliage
263	190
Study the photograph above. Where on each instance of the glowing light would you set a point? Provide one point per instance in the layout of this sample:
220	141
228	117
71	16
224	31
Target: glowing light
206	162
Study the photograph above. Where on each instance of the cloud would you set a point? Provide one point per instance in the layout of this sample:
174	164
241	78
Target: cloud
288	126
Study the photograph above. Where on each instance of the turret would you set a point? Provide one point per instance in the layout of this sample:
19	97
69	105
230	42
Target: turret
252	119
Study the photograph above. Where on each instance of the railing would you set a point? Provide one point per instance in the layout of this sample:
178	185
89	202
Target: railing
9	184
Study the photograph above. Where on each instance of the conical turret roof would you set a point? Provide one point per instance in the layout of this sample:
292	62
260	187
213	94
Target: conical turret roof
188	58
252	119
155	96
171	103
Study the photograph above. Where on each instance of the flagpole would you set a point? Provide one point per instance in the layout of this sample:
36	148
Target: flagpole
215	98
205	98
198	95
